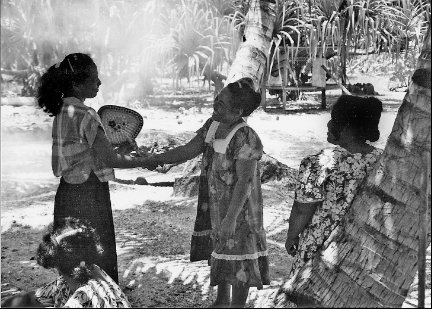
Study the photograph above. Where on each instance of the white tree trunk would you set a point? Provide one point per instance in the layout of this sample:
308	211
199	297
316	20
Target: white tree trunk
251	58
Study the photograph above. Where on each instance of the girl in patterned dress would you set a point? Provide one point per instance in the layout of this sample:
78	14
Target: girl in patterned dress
72	248
229	229
328	181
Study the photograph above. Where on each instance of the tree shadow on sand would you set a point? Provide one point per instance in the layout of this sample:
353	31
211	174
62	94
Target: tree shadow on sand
153	249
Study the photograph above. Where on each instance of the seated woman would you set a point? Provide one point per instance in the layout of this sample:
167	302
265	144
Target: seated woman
327	182
72	249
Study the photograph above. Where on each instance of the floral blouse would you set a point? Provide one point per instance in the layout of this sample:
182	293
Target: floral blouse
332	176
96	293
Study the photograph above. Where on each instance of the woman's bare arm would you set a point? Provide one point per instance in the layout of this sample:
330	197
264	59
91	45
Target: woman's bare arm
301	215
105	153
245	170
182	153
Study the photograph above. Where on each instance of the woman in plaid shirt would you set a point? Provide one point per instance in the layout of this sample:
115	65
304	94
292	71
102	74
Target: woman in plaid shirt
81	154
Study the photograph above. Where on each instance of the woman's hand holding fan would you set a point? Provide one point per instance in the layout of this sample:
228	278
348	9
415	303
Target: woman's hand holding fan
128	146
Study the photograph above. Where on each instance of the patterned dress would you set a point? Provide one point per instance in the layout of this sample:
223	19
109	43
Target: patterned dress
332	176
243	259
101	292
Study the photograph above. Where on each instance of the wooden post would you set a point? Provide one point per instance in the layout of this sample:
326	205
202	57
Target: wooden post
263	96
283	98
344	90
284	80
343	64
323	98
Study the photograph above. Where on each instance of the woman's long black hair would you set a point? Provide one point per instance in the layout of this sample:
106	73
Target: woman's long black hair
58	80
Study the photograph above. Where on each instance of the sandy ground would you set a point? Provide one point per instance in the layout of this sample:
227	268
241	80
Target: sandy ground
153	227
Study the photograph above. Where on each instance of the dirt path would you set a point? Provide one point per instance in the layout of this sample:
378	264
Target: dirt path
153	237
153	246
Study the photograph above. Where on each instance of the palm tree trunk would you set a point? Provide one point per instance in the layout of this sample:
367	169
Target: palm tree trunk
371	260
251	58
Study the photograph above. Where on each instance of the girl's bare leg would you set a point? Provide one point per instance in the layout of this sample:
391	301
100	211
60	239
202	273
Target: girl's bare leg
239	296
223	297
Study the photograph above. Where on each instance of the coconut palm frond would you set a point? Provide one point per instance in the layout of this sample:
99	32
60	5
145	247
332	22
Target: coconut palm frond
325	8
201	39
223	7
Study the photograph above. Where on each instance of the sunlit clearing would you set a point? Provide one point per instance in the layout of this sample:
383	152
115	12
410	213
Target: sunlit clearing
178	268
124	200
37	217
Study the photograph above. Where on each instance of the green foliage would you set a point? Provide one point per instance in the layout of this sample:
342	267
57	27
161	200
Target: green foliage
132	41
30	82
399	69
129	40
325	26
201	37
404	69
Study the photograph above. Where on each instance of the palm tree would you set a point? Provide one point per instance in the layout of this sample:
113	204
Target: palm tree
251	57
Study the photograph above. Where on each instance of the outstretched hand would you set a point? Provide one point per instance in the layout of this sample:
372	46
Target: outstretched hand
127	147
150	163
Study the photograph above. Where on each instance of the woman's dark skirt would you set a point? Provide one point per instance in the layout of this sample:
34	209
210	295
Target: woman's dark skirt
90	201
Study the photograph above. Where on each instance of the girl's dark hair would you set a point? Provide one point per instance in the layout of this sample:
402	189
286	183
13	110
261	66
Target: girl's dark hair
360	113
67	254
57	81
244	96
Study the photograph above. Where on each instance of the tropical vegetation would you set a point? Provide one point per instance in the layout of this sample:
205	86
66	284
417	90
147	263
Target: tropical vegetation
134	41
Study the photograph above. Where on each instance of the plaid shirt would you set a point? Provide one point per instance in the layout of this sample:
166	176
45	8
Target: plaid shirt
74	132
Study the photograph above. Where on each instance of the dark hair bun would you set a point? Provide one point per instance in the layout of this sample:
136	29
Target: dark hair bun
244	96
372	115
361	113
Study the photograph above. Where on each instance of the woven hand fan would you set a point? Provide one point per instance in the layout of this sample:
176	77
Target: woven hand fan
120	123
